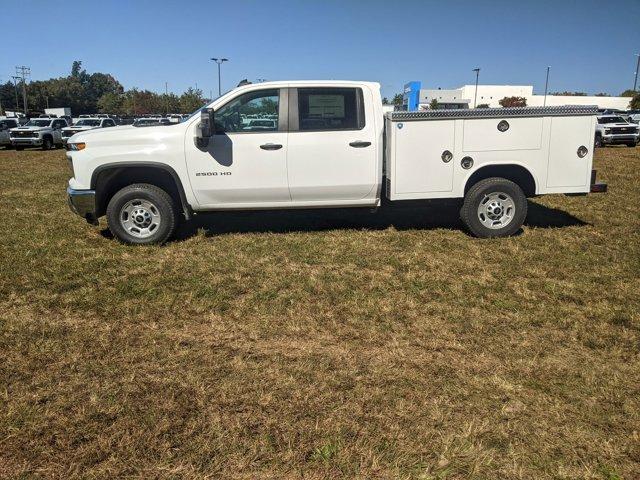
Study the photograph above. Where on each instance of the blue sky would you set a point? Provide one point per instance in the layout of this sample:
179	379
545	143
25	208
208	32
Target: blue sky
590	45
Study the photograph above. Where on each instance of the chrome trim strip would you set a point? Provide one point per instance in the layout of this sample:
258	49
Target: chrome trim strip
565	111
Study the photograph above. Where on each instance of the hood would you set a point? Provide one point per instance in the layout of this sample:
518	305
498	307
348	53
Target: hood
29	129
128	135
81	127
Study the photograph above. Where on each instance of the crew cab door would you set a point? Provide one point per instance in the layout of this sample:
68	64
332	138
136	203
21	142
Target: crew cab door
245	163
332	144
57	127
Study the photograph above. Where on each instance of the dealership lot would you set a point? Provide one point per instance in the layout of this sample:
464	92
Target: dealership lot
323	343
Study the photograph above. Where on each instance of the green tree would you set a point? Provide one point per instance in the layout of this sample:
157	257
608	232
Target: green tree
569	94
191	100
635	102
513	102
433	105
397	99
483	105
629	93
111	103
385	101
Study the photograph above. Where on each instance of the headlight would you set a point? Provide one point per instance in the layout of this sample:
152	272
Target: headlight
76	146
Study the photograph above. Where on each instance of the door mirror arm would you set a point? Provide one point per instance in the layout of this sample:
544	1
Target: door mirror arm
205	129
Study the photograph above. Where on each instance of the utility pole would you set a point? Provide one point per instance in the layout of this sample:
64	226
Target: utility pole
219	61
24	72
546	86
15	86
635	83
475	96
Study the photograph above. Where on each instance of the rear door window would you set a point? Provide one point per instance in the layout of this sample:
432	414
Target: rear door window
330	109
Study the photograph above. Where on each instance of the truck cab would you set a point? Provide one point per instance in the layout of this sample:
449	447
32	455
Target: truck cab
315	144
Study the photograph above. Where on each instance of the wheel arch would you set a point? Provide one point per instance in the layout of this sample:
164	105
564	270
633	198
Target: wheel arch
517	173
107	179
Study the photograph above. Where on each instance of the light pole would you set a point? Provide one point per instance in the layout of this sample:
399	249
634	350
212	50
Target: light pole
635	82
475	95
546	85
219	61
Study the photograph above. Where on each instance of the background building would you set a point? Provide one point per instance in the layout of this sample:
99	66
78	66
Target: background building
417	98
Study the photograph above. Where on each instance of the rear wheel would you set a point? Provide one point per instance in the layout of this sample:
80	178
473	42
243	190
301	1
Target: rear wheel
142	214
494	207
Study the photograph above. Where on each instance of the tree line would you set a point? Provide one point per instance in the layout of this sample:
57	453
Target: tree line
97	92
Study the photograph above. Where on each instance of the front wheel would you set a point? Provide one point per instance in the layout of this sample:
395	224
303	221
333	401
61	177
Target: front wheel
47	143
494	207
142	214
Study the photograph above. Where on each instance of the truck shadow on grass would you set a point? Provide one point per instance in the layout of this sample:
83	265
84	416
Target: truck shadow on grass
432	215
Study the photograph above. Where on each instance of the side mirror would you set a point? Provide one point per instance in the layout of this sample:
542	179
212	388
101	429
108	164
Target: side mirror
205	129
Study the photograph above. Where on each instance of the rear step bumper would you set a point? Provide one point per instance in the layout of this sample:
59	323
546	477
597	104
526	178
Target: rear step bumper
599	187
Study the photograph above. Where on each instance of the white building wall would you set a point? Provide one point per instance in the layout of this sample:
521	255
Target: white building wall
492	94
621	103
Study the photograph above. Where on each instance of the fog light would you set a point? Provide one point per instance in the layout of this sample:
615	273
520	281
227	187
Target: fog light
467	163
582	151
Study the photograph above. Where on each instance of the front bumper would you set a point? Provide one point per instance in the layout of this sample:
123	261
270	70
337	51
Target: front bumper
620	138
83	203
26	141
597	187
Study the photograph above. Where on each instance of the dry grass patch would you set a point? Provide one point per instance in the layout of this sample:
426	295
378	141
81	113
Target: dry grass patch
322	344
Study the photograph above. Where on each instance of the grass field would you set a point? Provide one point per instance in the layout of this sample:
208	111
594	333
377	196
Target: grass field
324	344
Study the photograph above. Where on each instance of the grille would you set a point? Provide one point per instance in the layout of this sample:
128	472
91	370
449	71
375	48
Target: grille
627	130
25	134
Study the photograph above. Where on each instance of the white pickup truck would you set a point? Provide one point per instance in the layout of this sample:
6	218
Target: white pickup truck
329	145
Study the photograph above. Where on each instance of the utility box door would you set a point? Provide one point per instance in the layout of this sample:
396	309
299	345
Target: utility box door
566	168
418	166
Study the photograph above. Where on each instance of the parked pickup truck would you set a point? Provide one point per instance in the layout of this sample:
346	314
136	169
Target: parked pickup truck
615	130
5	125
329	146
85	124
38	132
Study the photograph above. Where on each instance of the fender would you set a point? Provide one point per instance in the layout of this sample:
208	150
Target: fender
188	211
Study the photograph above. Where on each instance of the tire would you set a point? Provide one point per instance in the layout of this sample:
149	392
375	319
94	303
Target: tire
494	207
142	214
631	144
47	143
598	142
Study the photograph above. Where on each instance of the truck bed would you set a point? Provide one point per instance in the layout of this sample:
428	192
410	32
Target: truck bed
543	141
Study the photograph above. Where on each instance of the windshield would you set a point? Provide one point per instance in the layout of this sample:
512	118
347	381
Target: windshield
611	120
38	123
88	123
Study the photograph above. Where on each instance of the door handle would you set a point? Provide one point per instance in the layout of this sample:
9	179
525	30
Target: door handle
359	144
271	146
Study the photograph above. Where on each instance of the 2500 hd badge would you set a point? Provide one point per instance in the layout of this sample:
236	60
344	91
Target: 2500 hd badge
211	174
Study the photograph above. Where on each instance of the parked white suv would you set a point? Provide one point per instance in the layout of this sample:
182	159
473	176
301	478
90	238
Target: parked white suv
85	124
38	132
615	130
5	125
